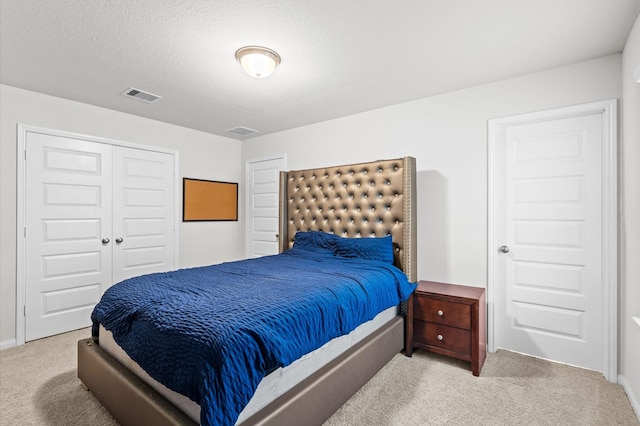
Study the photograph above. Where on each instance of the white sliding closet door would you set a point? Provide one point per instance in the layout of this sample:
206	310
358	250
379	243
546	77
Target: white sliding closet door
95	214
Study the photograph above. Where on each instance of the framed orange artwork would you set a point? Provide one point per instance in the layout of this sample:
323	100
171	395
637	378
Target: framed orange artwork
208	200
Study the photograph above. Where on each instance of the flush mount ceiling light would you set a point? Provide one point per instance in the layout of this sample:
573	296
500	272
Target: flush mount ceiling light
258	61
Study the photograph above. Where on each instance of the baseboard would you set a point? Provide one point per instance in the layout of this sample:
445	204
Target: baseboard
7	344
632	397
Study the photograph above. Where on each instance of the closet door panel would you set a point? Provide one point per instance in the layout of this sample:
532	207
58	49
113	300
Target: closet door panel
67	217
143	213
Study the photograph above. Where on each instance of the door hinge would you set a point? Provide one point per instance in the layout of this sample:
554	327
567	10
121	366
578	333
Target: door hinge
25	232
24	310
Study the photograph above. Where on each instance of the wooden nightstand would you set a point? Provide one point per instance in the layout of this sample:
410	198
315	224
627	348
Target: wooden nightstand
450	320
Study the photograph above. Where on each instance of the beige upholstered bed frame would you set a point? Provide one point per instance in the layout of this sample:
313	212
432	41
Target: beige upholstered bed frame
356	200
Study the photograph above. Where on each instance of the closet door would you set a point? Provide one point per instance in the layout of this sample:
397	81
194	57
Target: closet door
95	214
143	213
67	232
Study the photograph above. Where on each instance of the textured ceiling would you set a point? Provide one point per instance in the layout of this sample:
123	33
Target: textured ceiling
338	57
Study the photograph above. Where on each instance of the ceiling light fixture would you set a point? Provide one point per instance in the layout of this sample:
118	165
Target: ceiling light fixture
258	61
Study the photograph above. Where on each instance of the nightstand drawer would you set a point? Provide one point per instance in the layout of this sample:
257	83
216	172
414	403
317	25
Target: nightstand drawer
444	337
442	312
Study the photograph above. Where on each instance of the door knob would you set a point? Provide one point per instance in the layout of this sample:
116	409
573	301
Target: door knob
105	241
504	249
119	240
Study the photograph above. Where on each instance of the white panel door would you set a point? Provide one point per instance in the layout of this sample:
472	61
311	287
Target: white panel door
549	205
262	183
143	212
67	230
95	214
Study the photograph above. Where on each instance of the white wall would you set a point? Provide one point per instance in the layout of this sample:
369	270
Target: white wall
448	136
630	221
202	155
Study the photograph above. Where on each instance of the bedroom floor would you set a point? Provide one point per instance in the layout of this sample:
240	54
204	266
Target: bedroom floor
39	386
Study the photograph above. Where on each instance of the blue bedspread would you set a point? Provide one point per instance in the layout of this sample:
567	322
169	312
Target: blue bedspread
212	333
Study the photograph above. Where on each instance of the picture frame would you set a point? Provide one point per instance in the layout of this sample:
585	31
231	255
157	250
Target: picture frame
209	200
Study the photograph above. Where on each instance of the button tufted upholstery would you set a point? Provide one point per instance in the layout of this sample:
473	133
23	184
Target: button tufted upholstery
373	199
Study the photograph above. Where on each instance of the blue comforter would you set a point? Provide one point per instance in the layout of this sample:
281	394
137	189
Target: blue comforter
212	333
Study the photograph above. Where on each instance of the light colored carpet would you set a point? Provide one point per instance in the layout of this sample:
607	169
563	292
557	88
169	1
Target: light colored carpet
39	386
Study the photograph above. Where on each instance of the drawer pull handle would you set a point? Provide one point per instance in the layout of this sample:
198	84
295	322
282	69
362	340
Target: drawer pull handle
440	337
440	313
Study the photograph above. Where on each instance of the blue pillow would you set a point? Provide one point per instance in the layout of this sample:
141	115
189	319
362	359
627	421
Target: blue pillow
380	249
316	241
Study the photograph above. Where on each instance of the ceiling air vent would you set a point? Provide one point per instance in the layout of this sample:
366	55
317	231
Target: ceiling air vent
140	95
242	131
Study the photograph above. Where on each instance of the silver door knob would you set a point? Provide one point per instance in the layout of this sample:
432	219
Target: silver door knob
105	241
440	313
504	249
119	240
440	337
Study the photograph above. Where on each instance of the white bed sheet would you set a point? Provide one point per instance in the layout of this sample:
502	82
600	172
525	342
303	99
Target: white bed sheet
273	385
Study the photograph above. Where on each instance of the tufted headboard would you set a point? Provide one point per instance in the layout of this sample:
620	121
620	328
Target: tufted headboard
373	199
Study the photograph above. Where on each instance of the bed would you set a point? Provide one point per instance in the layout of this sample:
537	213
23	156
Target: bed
352	202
